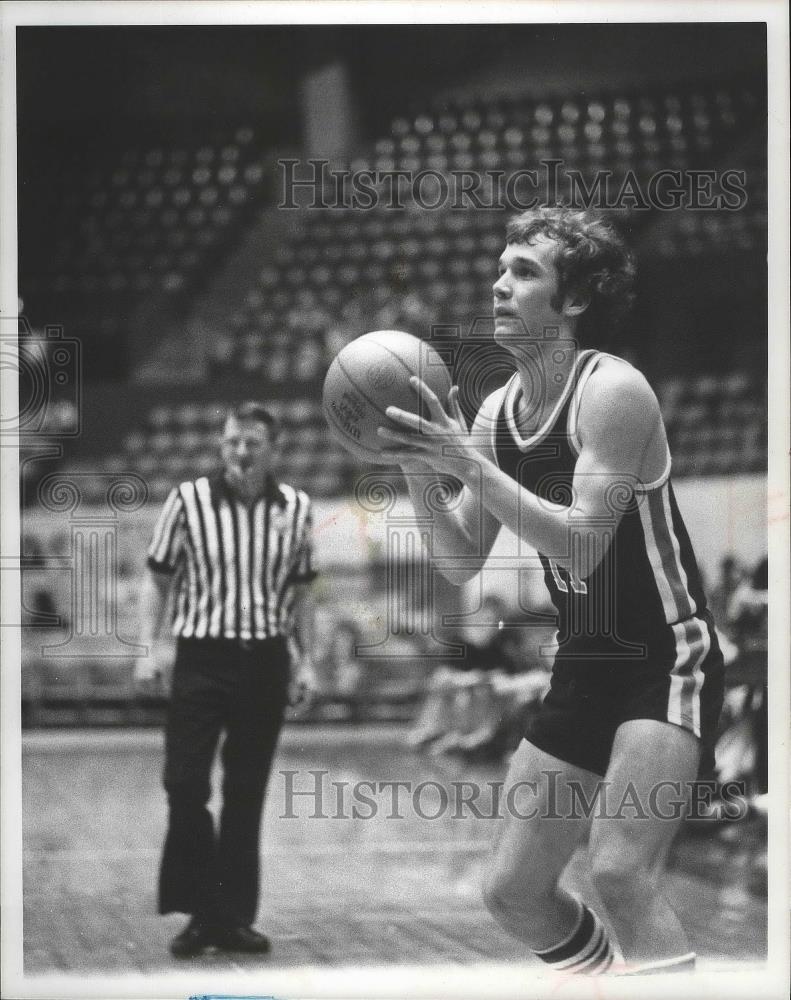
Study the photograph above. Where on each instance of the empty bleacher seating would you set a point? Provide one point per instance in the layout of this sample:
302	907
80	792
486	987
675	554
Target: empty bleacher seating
122	223
446	257
715	425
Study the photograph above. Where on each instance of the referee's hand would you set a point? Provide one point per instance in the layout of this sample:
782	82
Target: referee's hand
302	687
147	673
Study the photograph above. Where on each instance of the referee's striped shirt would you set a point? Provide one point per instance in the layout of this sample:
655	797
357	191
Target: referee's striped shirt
234	565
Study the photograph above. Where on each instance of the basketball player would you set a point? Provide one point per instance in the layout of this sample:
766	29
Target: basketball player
571	455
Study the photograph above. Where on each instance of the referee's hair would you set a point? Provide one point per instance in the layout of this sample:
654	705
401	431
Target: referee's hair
250	410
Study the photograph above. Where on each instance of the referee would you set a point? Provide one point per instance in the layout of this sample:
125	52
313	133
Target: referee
231	552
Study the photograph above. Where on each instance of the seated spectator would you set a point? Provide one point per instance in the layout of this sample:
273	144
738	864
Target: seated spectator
742	748
458	701
471	705
720	595
749	606
346	671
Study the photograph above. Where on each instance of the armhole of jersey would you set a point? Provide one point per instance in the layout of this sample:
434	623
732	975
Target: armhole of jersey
574	440
647	487
574	406
490	408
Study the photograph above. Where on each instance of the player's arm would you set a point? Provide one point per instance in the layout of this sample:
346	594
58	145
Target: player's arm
618	420
464	533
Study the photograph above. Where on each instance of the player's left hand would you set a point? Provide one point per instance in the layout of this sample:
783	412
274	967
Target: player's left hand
442	441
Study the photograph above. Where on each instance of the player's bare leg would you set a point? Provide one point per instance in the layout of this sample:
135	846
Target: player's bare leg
628	852
522	890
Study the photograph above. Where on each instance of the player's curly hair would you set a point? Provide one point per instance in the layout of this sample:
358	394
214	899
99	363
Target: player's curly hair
591	260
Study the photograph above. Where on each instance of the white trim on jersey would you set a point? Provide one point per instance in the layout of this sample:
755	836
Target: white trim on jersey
514	387
572	427
654	558
647	487
692	638
492	406
686	604
576	398
693	644
665	556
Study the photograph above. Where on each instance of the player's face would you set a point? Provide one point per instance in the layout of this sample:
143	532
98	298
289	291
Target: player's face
525	291
248	452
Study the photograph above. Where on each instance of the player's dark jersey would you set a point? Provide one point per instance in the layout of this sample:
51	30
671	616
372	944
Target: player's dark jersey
644	603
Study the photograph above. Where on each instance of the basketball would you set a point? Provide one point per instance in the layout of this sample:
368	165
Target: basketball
372	373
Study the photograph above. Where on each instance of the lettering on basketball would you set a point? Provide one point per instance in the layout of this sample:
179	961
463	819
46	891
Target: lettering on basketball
349	411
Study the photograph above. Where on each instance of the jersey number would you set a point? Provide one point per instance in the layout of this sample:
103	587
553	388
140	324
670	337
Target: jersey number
577	585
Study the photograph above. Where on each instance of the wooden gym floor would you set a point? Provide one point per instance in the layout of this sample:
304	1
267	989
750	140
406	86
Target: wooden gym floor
335	892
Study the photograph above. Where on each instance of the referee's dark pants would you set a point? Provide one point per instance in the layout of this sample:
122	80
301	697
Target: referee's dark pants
240	688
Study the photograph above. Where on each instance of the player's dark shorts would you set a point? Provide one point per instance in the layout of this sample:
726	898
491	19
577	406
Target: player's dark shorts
588	701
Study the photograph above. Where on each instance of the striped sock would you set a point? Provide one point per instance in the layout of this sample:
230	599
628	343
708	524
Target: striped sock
682	963
586	950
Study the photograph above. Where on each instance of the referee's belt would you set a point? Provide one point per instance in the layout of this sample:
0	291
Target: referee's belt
246	644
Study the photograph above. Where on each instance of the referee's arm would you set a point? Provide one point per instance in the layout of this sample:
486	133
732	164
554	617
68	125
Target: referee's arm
153	606
303	618
303	632
163	555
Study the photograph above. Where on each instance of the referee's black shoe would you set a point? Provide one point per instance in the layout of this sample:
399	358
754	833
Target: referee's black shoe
196	936
241	939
